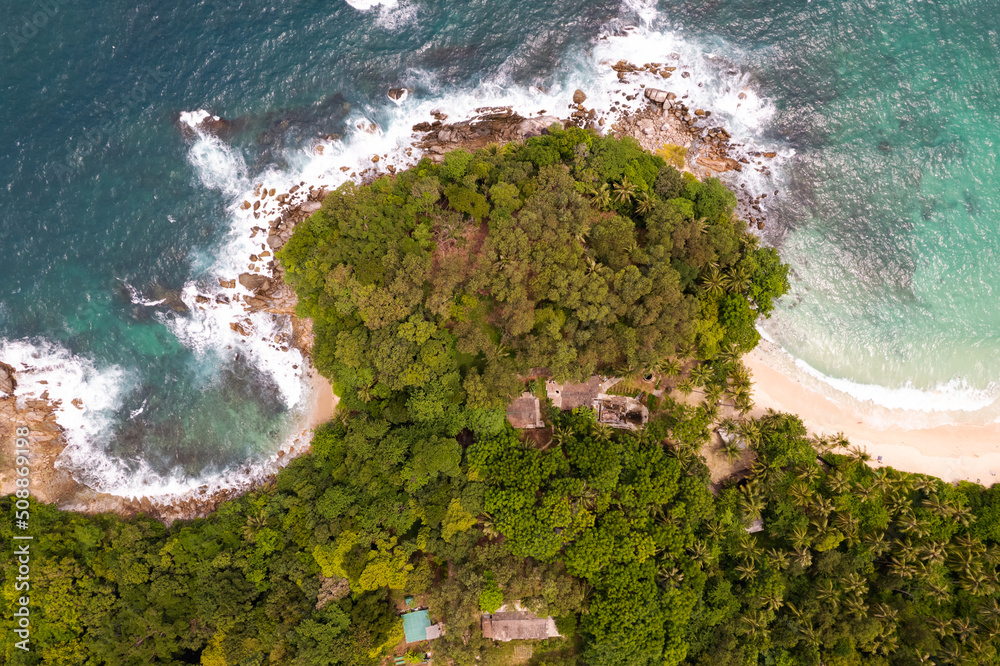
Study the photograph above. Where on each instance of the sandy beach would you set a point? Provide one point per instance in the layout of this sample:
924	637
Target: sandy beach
324	402
962	452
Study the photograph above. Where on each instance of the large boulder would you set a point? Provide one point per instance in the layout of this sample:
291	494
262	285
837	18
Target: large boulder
656	96
254	282
537	126
579	97
310	206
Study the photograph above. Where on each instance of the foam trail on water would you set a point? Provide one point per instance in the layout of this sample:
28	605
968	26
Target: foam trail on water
365	5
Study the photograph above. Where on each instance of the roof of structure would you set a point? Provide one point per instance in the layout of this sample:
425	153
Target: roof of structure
518	626
570	396
415	625
525	412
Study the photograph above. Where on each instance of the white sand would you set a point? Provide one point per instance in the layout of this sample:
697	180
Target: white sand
953	452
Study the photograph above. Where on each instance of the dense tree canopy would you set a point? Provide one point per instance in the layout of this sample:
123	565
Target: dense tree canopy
437	295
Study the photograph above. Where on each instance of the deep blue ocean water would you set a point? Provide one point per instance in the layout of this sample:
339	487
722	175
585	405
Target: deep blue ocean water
885	114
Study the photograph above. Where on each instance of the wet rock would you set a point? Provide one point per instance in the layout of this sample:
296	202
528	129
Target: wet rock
398	94
310	206
579	97
253	282
201	299
239	328
227	284
8	384
699	112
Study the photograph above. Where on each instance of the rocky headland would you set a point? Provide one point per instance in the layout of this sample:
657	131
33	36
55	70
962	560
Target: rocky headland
664	124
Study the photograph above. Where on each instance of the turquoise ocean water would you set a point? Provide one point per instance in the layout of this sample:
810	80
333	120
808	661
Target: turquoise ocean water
885	116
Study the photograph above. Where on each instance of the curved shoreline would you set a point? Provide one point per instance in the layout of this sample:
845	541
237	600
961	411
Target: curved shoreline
952	452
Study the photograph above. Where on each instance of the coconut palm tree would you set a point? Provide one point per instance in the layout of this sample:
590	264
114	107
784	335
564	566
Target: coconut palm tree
799	536
772	601
713	282
685	387
701	553
747	570
602	196
963	628
700	374
803	557
940	626
624	191
644	204
731	449
738	280
875	543
777	558
668	367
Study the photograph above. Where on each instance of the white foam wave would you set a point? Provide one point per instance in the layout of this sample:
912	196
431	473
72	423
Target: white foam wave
955	395
85	396
365	5
219	166
194	119
137	298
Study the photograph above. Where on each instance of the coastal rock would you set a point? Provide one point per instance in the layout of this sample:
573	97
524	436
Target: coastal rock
254	282
310	206
7	382
398	94
536	126
227	284
656	96
721	164
579	97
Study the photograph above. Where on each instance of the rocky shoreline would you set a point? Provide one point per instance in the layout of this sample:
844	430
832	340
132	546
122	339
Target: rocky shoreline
689	137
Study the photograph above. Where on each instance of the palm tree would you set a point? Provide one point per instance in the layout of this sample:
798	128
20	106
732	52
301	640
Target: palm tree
875	542
731	354
714	283
825	591
731	449
624	191
602	196
803	557
772	601
799	536
856	606
668	367
601	432
671	577
685	387
809	633
963	628
940	626
644	204
738	281
858	454
886	613
700	374
747	570
777	558
701	553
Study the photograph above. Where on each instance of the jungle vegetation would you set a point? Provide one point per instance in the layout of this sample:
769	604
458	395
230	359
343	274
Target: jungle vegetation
439	294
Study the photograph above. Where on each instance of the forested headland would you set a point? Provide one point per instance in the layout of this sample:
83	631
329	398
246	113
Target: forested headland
439	294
